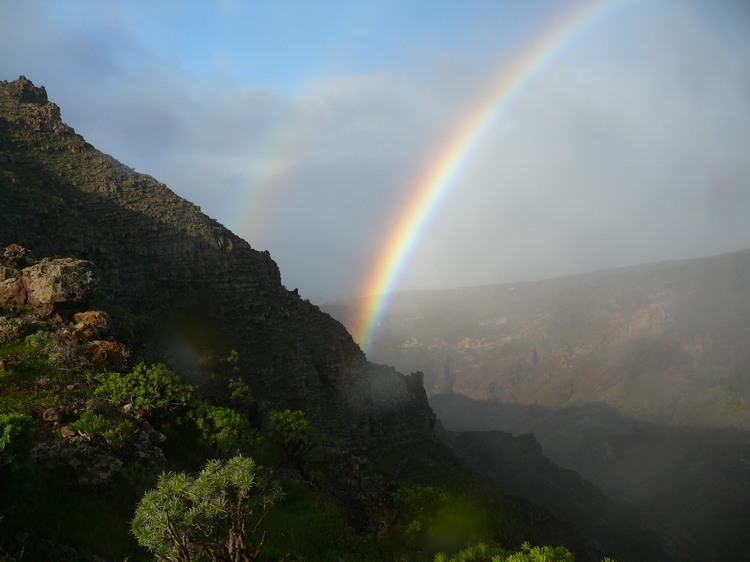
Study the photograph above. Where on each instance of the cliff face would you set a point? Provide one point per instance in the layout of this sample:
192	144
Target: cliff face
157	254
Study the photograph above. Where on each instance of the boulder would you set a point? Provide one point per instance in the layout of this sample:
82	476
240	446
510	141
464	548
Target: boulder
12	292
55	282
90	324
78	465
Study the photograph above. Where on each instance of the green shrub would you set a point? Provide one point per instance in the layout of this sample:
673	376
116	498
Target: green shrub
17	433
416	508
307	526
530	553
221	428
29	361
58	354
485	553
222	383
481	552
90	424
214	516
151	390
291	434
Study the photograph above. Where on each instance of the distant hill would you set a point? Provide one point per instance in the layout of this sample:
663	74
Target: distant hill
668	342
637	378
158	255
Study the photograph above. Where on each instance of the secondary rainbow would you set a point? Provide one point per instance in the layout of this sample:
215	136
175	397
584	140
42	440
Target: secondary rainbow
437	178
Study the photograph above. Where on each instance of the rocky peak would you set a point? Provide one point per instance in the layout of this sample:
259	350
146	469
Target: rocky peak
24	91
38	113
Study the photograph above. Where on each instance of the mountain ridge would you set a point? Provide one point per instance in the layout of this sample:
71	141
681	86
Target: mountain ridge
156	252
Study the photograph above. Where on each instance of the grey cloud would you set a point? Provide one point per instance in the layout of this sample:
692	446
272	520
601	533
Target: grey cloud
601	166
632	150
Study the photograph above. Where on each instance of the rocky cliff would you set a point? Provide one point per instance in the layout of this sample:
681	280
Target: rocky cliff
205	288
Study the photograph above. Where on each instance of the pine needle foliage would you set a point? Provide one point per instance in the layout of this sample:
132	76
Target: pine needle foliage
214	516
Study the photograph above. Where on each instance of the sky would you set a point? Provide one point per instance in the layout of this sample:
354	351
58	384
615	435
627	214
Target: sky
305	126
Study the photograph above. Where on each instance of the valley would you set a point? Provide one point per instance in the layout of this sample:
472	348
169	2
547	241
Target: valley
637	378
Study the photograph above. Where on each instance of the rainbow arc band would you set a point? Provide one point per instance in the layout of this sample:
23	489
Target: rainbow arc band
437	177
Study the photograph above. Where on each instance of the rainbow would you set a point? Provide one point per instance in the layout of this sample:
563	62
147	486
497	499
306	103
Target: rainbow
436	179
280	148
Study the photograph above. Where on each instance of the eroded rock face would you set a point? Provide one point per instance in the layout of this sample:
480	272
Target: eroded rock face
54	281
26	92
80	465
145	451
8	273
12	293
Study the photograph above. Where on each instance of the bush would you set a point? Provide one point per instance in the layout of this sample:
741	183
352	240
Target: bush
416	508
485	553
90	424
14	256
221	428
17	433
291	433
210	517
150	390
62	355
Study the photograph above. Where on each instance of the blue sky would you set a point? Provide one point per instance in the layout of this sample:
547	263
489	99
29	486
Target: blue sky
303	125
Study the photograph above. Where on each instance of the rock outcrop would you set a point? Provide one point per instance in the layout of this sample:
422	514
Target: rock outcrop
78	465
54	282
50	286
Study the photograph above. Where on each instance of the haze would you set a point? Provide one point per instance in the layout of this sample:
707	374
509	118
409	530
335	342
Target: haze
302	126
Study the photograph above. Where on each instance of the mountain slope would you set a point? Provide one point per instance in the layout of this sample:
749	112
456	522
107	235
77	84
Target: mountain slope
157	254
517	464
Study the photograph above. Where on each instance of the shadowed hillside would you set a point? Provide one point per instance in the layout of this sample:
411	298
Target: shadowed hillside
692	483
157	254
637	378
